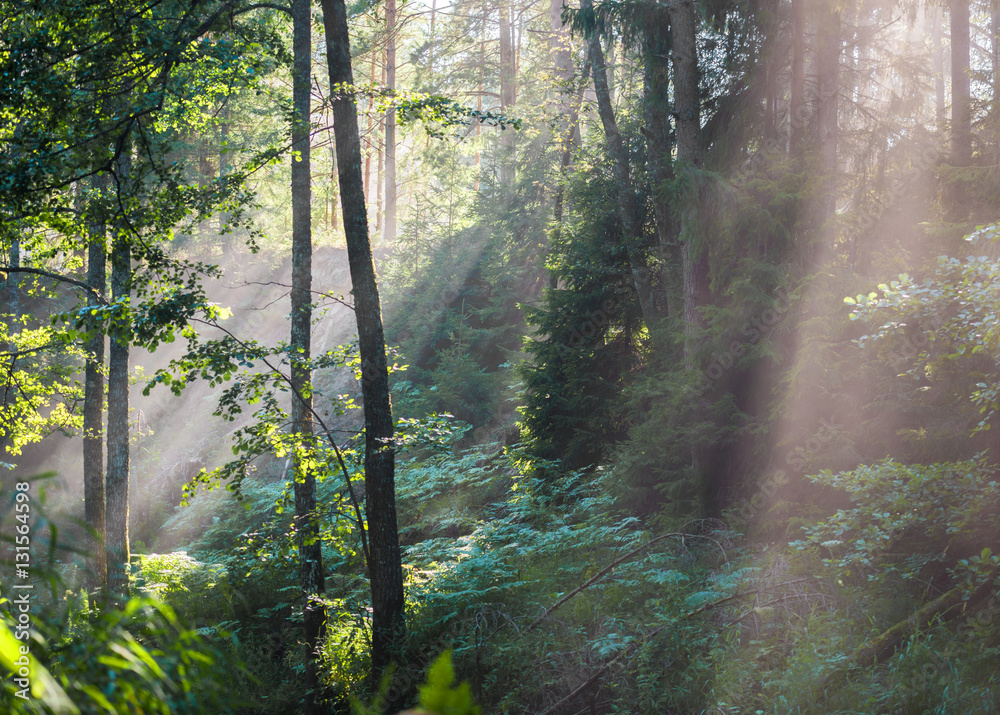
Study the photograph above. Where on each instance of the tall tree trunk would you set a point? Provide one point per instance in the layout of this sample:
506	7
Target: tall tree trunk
828	70
389	233
687	102
939	107
14	290
961	111
961	107
828	66
369	133
565	109
993	119
224	160
379	173
479	92
797	113
432	40
93	409
385	566
560	46
570	138
116	483
508	79
628	209
656	108
562	59
309	543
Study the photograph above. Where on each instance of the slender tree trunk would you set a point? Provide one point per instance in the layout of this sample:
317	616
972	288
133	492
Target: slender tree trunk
993	118
369	134
828	66
93	411
694	264
569	138
773	53
479	92
389	233
14	290
995	47
656	108
309	543
562	59
380	173
797	96
432	40
628	209
961	110
565	109
116	482
224	161
561	50
939	114
507	89
385	566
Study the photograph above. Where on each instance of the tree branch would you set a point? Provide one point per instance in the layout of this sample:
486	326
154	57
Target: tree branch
57	277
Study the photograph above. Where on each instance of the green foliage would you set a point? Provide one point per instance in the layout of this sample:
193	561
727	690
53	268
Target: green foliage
137	659
919	514
440	696
942	332
587	339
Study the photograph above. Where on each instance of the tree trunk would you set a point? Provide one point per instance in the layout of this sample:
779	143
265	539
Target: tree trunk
656	108
369	134
93	411
389	233
308	533
993	118
628	209
224	164
14	291
797	112
379	173
939	115
384	567
565	109
116	488
694	264
479	94
562	59
961	111
828	65
508	80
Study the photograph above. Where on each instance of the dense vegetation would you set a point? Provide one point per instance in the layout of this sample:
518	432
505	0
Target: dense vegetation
675	393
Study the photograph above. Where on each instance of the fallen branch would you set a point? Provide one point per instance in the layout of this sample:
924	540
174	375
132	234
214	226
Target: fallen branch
597	577
946	607
601	671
